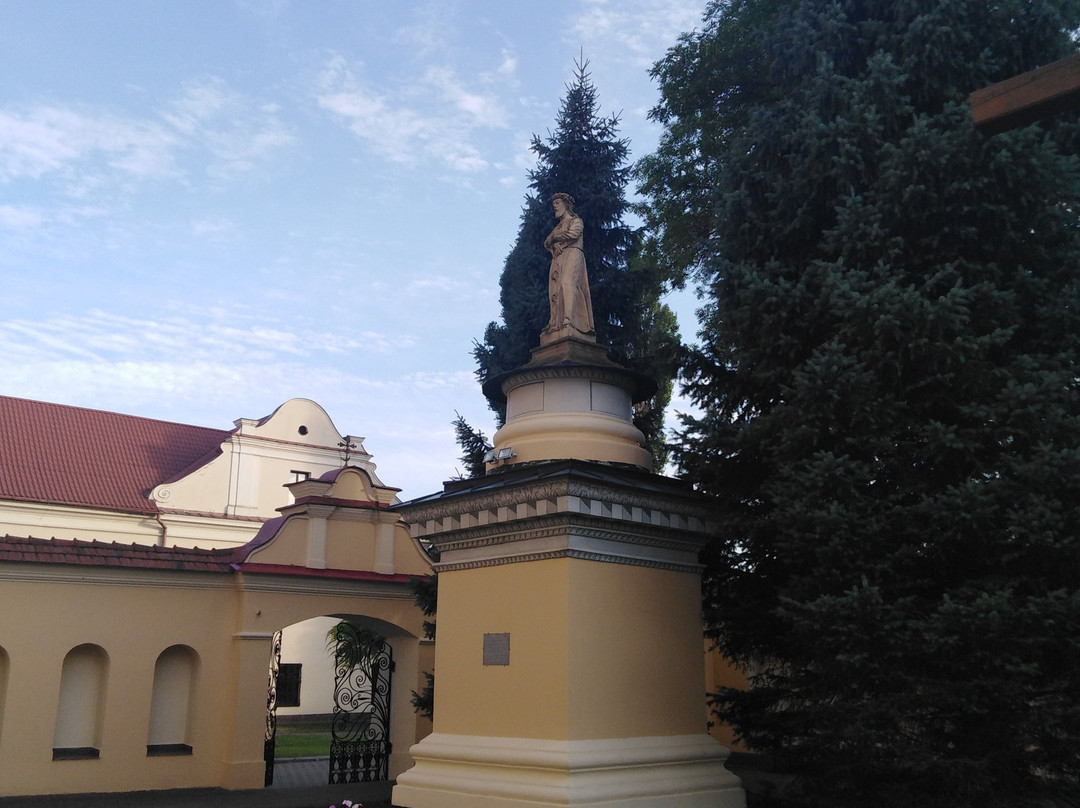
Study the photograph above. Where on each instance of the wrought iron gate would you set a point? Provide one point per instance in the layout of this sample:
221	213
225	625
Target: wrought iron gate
270	736
360	733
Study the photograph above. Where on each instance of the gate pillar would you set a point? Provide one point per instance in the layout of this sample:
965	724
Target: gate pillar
569	667
246	764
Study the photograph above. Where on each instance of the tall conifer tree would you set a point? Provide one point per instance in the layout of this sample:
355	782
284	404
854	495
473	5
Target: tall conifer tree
585	158
888	379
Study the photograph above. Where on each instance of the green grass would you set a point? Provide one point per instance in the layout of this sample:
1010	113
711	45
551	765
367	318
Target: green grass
302	740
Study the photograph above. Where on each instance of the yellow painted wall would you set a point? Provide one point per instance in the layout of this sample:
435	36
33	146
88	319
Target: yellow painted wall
3	688
270	611
628	663
58	617
289	545
348	543
136	615
333	536
527	699
635	645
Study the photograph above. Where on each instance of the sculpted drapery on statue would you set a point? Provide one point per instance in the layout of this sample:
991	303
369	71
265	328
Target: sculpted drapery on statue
568	279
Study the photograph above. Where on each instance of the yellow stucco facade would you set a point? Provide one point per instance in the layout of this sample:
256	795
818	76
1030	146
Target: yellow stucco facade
583	635
83	639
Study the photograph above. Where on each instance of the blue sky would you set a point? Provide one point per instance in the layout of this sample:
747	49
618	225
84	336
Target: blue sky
208	207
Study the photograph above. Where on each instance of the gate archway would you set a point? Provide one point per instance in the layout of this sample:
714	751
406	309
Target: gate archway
353	719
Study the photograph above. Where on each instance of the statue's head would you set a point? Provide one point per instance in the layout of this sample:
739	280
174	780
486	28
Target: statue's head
566	199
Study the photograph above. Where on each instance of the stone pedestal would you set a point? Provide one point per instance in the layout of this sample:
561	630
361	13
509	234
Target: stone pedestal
570	401
461	771
568	665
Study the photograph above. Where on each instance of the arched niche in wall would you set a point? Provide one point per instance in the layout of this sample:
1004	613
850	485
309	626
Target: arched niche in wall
81	708
169	732
5	665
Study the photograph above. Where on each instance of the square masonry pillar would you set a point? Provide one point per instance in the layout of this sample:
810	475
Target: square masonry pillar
568	664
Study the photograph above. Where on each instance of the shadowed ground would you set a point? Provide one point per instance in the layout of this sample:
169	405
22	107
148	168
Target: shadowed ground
297	784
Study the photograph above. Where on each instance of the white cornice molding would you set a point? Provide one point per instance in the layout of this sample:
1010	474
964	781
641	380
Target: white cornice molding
363	514
217	521
278	449
44	573
585	526
563	516
496	560
45	520
303	585
515	503
569	536
614	375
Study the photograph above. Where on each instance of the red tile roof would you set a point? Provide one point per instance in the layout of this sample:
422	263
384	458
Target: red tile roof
114	554
73	456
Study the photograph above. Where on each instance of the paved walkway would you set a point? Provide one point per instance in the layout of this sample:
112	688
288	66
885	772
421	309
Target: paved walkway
307	772
297	784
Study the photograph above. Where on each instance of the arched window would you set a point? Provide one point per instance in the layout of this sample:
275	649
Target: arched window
81	709
170	704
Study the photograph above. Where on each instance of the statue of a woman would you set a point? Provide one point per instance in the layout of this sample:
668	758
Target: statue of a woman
568	280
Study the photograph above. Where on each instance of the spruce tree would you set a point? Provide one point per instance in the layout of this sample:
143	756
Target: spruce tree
474	446
887	377
425	591
585	158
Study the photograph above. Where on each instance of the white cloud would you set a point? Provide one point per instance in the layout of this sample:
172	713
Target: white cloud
214	229
234	132
28	343
100	336
524	157
48	140
440	381
90	149
508	67
485	109
438	283
639	31
197	104
392	132
426	34
399	132
15	217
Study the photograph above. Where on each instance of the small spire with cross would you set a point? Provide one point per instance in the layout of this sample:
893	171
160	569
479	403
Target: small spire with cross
346	447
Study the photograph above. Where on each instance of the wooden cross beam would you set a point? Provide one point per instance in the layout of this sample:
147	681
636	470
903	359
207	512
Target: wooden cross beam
1028	97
